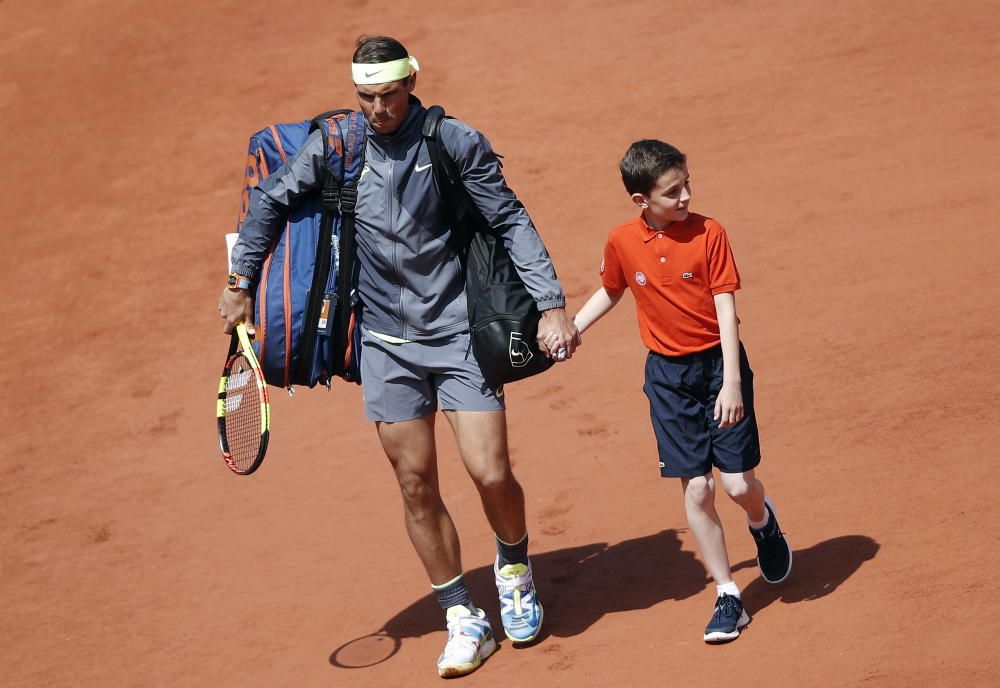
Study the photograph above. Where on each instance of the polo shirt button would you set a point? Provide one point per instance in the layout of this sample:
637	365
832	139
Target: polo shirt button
662	259
659	236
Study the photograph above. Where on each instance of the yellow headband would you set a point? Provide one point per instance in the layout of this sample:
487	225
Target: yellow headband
384	72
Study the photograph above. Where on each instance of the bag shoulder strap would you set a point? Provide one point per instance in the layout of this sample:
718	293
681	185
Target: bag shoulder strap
443	167
343	157
446	178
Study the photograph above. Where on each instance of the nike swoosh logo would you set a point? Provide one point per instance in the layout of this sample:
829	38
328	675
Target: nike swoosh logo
420	168
369	75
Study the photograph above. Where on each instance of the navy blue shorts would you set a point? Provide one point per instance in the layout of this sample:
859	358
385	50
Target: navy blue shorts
682	391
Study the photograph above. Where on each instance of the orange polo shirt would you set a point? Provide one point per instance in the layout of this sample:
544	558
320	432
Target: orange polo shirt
673	274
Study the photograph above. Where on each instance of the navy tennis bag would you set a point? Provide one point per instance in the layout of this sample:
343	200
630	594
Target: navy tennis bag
304	305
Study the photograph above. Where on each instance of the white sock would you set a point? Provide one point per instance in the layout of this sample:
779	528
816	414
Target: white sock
729	588
759	525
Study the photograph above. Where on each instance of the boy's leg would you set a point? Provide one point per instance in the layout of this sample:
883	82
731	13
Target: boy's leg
678	391
747	491
736	452
774	554
699	505
482	443
728	617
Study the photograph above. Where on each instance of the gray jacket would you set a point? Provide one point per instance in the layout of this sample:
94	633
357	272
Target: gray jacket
411	282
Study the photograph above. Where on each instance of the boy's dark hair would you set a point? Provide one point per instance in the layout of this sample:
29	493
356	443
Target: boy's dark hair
375	49
645	161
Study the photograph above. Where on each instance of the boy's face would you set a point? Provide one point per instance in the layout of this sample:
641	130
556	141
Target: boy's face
668	200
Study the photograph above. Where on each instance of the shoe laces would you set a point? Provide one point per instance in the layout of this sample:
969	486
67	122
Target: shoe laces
460	642
726	606
769	533
515	580
462	623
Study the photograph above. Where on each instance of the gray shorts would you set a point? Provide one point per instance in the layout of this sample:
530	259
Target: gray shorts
407	381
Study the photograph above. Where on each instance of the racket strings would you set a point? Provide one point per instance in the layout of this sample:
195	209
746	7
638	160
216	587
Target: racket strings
243	414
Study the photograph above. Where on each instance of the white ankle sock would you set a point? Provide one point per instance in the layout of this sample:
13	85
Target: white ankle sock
729	588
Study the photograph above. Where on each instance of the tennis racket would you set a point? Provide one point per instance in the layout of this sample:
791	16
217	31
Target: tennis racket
243	409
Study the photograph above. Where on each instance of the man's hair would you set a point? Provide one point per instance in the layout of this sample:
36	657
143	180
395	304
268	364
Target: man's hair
375	49
646	161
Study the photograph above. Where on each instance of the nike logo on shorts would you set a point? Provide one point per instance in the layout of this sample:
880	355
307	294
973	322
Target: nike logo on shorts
421	168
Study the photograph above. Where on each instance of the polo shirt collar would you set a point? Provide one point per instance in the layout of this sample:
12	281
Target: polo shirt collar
647	233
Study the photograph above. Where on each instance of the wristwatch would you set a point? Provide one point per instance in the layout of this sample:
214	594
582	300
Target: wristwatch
238	281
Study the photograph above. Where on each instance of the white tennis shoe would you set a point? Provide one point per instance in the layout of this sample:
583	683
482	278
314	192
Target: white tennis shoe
470	641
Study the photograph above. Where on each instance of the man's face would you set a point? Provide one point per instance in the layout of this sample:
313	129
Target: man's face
385	106
668	200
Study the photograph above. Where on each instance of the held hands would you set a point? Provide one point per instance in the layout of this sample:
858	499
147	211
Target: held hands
729	405
236	306
558	336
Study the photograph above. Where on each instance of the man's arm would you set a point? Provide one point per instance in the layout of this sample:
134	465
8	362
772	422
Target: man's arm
484	181
729	404
269	202
303	172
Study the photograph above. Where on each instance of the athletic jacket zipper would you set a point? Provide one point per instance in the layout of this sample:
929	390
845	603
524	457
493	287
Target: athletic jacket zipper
390	218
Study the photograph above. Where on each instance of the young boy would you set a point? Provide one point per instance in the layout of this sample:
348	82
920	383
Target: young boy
680	269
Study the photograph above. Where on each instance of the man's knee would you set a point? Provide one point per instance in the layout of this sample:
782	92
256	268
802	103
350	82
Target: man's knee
497	477
419	491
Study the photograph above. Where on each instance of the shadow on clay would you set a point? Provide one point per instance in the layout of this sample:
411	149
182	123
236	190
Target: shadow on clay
579	585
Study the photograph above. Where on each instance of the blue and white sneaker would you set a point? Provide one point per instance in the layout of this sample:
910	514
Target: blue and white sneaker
520	610
470	641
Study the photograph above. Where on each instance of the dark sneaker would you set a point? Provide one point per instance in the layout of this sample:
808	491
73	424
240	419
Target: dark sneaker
727	620
774	555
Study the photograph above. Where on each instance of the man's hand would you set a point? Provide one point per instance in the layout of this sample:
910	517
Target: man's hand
236	306
557	334
729	405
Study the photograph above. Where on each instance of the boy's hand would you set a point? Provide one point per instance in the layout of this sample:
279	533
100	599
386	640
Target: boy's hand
729	405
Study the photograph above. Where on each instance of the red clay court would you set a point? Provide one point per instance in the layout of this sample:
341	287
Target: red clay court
849	148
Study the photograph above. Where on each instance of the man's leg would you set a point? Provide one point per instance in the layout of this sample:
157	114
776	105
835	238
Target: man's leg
410	447
482	443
